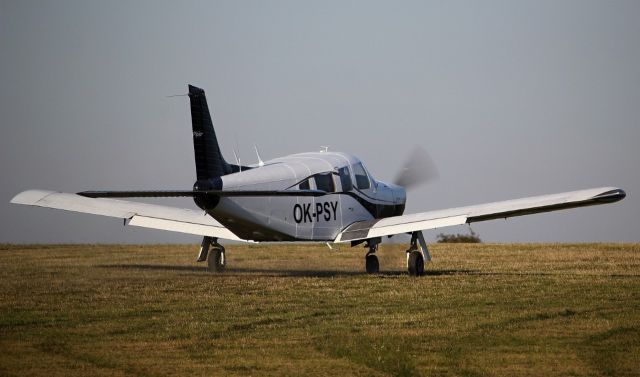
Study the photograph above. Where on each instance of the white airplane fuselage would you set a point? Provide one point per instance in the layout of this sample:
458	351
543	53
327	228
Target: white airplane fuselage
352	195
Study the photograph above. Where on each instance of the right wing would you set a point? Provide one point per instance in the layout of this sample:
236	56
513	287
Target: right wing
138	214
362	230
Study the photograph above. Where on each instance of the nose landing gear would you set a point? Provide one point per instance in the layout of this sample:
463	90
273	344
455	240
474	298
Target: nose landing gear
371	260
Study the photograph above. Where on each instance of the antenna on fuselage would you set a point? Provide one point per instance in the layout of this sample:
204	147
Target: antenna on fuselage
324	149
237	160
260	162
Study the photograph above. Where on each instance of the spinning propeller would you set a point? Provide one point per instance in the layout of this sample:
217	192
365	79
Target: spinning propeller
417	169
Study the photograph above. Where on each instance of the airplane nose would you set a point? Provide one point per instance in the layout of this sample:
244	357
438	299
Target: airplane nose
399	194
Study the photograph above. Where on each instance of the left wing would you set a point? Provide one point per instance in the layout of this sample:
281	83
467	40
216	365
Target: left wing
499	210
138	214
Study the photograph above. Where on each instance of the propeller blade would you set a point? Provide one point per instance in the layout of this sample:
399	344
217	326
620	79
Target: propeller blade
418	169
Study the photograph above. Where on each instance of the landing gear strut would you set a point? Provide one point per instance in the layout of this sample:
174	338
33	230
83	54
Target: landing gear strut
371	260
217	260
417	254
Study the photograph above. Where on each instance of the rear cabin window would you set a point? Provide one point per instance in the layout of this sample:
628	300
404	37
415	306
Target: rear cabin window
345	178
324	182
304	185
362	179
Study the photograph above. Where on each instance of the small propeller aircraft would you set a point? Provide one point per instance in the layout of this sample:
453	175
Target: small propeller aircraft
317	197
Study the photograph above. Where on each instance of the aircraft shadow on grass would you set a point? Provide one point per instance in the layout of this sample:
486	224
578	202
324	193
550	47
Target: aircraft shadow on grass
276	271
324	273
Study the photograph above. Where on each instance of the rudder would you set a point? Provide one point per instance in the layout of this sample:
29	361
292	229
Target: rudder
208	157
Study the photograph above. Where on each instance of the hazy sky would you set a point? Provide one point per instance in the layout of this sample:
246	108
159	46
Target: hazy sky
511	99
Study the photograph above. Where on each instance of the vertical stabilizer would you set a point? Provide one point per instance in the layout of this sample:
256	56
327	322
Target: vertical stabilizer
208	156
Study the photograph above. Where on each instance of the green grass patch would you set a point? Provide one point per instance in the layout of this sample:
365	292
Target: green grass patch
291	309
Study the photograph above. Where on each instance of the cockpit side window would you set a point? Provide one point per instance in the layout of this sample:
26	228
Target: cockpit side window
304	185
362	179
345	179
324	182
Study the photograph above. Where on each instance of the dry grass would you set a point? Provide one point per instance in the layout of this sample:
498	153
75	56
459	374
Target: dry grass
521	309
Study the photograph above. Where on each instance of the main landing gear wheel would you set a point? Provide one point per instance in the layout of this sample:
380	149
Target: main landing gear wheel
372	264
415	263
217	260
416	254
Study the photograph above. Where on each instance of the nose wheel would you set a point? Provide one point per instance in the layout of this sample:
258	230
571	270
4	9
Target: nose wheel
371	263
371	260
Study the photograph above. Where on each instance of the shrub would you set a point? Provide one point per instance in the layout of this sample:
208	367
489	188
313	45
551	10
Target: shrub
473	237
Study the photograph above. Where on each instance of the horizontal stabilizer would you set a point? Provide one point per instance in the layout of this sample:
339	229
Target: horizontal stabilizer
191	193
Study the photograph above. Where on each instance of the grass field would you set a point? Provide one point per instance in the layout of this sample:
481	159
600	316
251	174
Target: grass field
482	309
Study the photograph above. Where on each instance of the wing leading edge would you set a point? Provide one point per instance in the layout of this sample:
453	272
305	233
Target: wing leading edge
490	211
139	214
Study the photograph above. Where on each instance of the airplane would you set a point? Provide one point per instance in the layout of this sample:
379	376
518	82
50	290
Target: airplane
313	197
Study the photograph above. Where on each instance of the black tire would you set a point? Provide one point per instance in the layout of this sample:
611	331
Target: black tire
416	264
371	264
217	260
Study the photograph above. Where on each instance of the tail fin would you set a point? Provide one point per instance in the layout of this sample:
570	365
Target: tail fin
209	160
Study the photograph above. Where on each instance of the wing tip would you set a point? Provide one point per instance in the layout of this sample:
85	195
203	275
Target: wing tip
30	197
611	195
